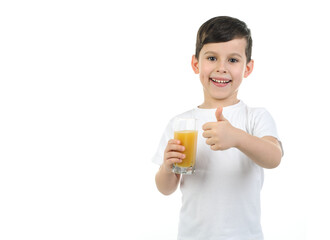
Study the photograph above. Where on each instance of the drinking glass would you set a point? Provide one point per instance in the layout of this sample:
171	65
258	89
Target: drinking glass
185	131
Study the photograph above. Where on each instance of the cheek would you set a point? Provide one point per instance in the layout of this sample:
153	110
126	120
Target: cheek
204	77
205	71
239	73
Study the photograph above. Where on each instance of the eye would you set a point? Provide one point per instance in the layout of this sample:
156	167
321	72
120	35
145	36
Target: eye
212	58
232	60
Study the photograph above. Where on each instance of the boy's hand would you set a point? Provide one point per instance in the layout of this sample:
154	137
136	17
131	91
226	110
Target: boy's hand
173	154
220	135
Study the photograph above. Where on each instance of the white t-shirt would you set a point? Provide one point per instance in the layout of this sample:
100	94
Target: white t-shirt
221	200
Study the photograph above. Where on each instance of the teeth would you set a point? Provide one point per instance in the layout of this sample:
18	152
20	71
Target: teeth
219	81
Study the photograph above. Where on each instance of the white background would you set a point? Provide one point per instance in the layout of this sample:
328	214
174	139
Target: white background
87	87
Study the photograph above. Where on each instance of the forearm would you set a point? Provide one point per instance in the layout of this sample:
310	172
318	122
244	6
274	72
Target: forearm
167	182
266	151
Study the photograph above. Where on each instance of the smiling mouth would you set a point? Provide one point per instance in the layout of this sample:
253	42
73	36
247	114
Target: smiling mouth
220	81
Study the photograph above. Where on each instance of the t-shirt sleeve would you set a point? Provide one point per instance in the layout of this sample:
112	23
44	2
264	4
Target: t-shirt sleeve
158	158
263	123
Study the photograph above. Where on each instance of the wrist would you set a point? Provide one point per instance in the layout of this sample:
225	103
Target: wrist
166	169
240	138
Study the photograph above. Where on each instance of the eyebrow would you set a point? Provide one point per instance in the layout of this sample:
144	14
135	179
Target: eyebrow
231	54
210	52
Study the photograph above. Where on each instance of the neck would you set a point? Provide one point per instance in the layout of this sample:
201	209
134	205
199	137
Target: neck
217	103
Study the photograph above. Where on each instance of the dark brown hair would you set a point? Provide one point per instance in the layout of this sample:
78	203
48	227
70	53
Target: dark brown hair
223	29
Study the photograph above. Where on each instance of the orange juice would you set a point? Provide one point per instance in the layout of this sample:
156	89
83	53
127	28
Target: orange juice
188	138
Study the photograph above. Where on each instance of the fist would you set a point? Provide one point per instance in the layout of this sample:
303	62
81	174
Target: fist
220	135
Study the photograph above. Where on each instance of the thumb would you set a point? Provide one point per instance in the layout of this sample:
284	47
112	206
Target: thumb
219	115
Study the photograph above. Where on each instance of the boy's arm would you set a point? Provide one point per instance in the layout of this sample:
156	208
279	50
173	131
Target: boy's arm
167	181
265	151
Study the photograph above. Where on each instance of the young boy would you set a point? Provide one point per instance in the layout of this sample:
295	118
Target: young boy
221	200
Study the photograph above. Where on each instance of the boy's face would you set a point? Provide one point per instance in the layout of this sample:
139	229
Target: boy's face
221	68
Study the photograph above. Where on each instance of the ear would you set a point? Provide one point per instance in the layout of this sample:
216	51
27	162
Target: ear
249	68
194	64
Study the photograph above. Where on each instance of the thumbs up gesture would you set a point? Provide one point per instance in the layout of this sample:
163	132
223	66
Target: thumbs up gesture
220	135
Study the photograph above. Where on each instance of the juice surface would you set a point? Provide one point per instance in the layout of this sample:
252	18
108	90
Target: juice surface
188	139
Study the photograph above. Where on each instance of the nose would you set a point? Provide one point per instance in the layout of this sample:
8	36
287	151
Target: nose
221	67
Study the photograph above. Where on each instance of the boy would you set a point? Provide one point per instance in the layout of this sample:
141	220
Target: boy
221	200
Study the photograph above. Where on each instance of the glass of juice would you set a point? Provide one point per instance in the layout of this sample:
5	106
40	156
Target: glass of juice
185	131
